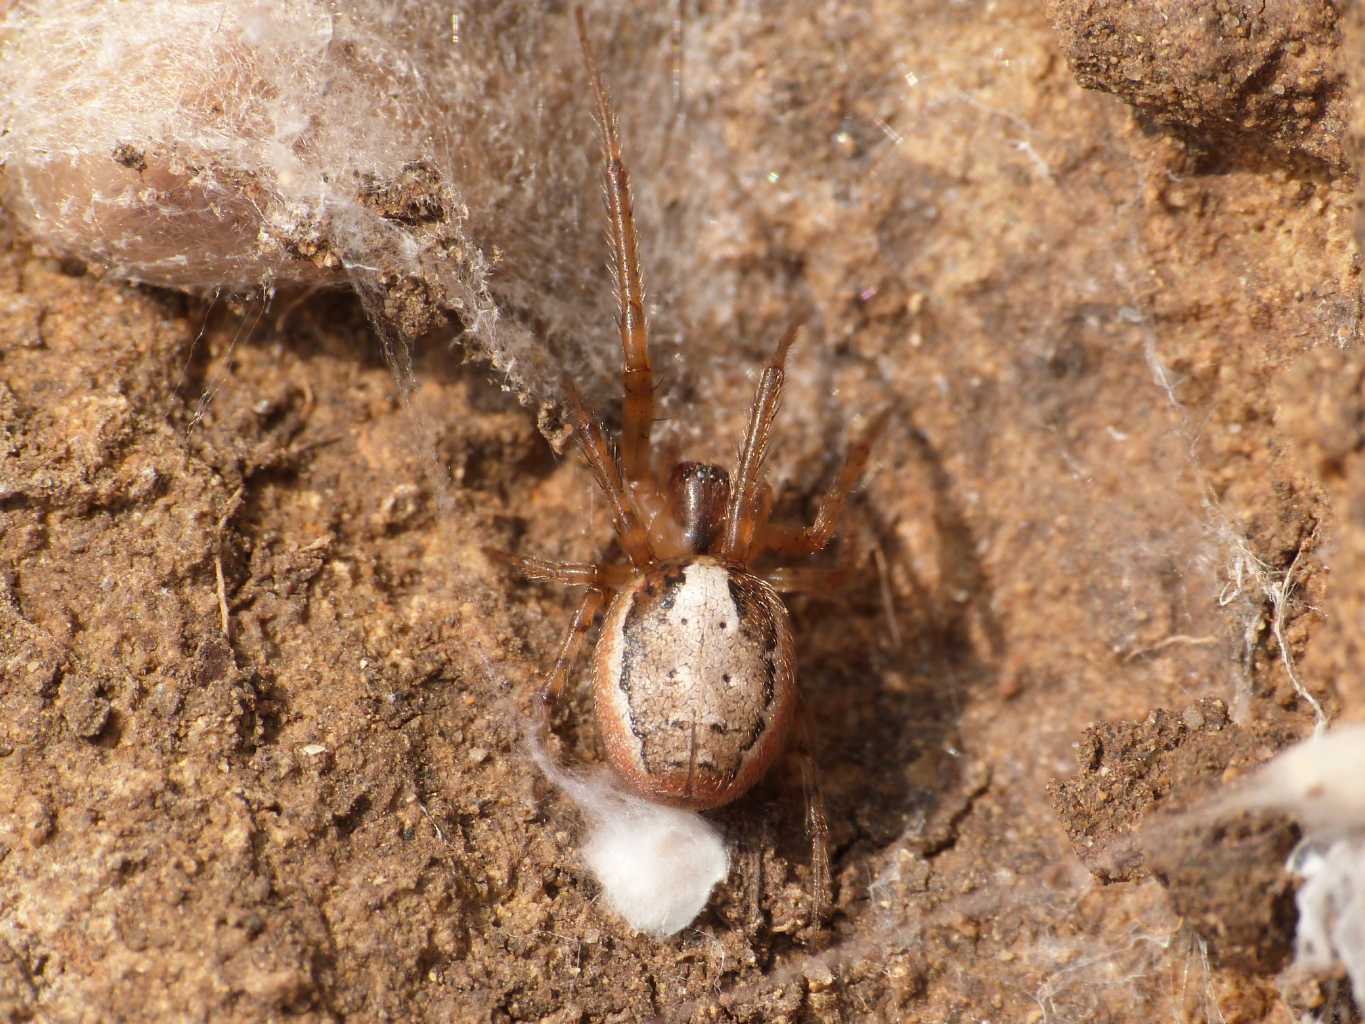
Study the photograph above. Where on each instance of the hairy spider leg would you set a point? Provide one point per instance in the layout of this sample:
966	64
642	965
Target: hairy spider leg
746	506
570	574
598	579
811	579
588	610
797	541
637	375
592	442
817	825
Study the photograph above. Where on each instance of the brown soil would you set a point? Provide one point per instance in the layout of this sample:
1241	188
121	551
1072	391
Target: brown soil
262	750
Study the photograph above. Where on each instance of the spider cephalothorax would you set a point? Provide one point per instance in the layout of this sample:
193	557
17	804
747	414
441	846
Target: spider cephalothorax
694	677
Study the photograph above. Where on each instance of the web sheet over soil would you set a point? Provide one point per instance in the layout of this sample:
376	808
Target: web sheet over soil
264	698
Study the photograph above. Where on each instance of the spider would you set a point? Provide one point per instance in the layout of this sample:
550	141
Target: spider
694	674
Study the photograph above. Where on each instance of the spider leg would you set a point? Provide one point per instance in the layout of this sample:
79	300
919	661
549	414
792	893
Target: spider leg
637	375
592	442
597	578
571	574
798	542
817	825
817	580
746	491
568	650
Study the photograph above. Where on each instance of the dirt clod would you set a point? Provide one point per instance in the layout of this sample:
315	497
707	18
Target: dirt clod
1128	772
85	707
1239	74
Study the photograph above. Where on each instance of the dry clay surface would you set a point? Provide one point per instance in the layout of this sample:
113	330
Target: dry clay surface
262	750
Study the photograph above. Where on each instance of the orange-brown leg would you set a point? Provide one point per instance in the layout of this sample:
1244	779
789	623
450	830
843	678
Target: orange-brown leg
746	491
797	542
571	574
658	507
817	580
599	579
592	442
817	825
638	376
579	628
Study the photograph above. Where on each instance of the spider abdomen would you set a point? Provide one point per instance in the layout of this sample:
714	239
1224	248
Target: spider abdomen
694	682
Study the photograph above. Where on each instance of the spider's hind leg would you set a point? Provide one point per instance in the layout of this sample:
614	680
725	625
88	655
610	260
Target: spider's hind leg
798	542
817	825
820	581
569	649
599	579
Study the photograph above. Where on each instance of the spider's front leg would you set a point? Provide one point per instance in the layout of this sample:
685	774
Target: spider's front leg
748	509
637	374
